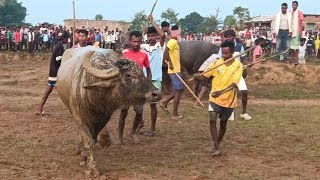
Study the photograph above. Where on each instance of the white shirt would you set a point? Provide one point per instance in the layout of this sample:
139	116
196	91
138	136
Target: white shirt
29	36
284	24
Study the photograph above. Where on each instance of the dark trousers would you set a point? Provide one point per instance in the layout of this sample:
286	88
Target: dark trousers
31	46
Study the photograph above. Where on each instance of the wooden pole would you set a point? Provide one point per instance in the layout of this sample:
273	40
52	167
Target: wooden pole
189	89
226	61
154	5
74	23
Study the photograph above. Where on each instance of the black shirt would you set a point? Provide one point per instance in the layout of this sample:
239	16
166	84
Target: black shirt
56	59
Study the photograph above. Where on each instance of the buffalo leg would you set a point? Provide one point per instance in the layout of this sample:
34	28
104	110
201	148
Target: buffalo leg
89	145
137	120
122	123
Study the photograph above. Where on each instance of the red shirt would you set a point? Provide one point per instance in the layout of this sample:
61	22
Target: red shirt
140	57
248	34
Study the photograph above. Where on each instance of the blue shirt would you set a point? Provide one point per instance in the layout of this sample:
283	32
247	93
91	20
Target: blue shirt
155	54
97	37
45	37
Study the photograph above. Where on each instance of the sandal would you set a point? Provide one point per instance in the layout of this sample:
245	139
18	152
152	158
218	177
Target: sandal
150	133
177	117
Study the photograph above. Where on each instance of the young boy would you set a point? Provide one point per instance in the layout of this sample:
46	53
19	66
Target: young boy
155	52
302	52
172	57
223	95
53	71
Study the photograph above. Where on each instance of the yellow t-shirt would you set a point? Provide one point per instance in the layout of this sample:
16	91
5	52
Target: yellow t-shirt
174	53
317	43
224	76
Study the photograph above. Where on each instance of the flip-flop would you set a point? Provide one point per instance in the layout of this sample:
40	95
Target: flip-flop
150	133
166	110
178	117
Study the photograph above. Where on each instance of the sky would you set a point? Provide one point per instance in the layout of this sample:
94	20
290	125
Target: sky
56	11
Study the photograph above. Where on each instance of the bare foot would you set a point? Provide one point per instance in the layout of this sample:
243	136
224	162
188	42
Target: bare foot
43	113
135	138
217	152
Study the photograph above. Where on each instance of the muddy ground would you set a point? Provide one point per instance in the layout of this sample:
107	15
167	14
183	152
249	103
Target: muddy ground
281	142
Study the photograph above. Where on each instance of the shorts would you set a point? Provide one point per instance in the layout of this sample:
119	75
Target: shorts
204	82
137	108
177	85
157	84
52	81
242	86
224	113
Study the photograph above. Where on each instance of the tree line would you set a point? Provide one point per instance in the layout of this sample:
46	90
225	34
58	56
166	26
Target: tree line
194	22
14	13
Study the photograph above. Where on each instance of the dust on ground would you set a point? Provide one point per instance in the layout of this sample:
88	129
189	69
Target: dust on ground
282	142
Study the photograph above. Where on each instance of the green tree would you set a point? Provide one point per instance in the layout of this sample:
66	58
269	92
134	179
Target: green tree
230	21
210	23
98	17
12	12
139	21
242	14
170	15
191	22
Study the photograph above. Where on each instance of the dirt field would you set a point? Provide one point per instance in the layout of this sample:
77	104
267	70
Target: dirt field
281	142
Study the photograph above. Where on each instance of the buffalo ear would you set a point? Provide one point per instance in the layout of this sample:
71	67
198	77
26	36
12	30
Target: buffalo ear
101	84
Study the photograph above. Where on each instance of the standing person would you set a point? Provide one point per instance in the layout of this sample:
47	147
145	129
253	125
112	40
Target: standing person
317	43
223	94
9	39
296	24
283	31
31	41
45	39
172	57
310	46
97	37
113	37
248	44
302	52
36	40
54	67
155	52
229	35
17	39
141	58
82	38
127	41
257	52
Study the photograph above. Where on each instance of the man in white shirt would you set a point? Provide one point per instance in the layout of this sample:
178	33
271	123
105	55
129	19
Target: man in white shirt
155	52
113	37
283	31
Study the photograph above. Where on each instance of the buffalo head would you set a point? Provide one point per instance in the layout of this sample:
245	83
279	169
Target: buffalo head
123	79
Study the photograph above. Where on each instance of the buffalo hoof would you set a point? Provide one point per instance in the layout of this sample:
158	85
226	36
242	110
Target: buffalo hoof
104	140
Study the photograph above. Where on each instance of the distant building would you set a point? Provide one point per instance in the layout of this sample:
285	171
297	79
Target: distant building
310	22
90	23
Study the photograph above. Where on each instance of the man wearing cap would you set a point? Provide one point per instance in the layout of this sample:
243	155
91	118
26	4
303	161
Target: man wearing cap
54	66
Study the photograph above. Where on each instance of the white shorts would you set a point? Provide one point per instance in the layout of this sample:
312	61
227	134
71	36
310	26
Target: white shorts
242	86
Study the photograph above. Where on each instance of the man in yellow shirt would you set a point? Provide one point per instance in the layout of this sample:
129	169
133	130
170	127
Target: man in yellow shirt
223	95
317	43
172	57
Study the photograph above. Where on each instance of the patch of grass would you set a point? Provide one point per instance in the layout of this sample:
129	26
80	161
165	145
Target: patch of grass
285	92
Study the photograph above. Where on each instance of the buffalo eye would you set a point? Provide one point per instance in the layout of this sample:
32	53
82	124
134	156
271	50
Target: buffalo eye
128	75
